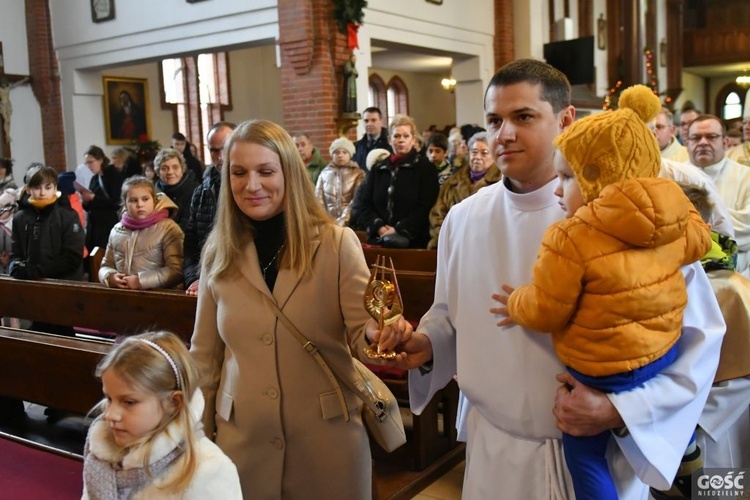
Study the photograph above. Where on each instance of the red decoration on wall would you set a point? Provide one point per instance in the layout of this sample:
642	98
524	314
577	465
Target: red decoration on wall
351	30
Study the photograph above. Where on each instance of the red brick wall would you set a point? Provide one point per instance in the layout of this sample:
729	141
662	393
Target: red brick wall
313	53
45	82
504	45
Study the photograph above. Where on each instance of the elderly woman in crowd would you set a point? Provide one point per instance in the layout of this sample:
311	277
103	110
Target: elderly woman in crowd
395	200
481	171
270	405
176	181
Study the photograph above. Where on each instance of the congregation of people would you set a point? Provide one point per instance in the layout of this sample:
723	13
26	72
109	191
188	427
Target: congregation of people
265	234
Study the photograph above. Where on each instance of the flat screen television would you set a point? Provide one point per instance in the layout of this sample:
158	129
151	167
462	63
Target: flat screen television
573	57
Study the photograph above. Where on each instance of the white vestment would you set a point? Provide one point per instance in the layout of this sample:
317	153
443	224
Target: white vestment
724	432
675	151
686	173
732	181
508	374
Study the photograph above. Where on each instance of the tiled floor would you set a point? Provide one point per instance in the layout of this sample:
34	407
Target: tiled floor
447	487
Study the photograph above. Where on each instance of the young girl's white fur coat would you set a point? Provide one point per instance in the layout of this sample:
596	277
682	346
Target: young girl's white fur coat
215	475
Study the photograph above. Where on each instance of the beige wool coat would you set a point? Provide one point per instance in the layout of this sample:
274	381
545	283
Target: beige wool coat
274	412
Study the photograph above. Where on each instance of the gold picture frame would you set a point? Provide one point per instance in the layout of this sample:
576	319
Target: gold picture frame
126	110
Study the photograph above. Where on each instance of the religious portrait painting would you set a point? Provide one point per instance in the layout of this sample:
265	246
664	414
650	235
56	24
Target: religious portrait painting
126	113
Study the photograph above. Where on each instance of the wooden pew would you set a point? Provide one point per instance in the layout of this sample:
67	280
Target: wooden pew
95	263
94	306
429	442
50	370
404	259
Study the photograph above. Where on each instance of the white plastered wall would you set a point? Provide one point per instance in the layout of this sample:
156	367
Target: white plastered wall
466	33
133	38
26	121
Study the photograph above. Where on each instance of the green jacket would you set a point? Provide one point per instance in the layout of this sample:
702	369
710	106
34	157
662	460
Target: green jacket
315	166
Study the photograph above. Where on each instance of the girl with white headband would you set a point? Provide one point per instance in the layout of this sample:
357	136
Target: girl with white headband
148	441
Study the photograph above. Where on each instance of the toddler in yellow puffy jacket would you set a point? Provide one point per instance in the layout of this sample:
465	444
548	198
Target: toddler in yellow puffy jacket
607	283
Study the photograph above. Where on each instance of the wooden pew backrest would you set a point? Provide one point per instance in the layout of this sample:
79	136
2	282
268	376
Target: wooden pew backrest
50	370
97	307
404	259
417	292
95	263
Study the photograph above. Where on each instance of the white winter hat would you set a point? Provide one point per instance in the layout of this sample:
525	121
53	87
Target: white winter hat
375	156
342	143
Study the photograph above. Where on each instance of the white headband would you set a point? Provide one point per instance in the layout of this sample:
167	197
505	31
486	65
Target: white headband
167	357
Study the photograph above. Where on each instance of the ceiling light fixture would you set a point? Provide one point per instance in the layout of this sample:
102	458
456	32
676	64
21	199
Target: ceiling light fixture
743	80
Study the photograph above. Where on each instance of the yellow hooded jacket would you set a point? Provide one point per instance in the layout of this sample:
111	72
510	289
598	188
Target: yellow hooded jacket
607	282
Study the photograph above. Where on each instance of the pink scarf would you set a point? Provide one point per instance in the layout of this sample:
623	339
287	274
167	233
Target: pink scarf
136	224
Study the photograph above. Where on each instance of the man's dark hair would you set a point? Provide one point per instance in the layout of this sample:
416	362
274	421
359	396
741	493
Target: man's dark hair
555	86
437	140
705	118
373	109
7	164
179	136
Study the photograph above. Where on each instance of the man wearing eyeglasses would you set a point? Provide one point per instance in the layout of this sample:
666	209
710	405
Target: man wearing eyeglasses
707	145
664	129
741	152
203	206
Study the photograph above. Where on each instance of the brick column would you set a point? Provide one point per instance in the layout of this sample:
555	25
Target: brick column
45	81
504	33
313	53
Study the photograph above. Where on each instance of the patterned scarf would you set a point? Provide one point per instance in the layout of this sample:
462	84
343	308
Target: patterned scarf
103	482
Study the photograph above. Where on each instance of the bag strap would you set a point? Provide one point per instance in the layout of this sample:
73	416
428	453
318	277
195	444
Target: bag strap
370	400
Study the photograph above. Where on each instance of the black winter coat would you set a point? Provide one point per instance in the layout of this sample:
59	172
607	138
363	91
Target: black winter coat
361	149
401	196
203	208
181	194
47	243
104	208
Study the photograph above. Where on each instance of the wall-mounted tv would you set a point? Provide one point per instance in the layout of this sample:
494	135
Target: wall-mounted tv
573	57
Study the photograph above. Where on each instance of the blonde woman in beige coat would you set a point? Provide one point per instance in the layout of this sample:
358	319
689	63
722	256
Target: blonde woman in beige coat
271	407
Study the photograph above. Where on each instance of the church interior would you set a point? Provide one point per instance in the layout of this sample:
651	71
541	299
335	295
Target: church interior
65	67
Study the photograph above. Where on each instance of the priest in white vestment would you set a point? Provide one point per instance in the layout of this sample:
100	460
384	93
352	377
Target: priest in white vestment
508	376
707	144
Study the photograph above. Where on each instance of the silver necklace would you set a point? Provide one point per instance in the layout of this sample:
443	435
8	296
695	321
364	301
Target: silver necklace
263	271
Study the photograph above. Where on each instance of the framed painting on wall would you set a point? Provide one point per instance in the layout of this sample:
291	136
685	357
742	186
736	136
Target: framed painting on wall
126	113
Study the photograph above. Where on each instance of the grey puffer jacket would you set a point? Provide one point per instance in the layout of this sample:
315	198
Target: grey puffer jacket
154	253
335	190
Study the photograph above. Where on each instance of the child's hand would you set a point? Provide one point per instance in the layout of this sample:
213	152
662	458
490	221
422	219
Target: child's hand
117	280
503	299
132	282
4	259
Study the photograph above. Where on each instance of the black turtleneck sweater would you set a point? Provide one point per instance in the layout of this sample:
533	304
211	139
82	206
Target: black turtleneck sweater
269	237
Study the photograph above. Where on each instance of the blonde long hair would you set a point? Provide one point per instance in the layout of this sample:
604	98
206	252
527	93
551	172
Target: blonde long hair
145	368
233	230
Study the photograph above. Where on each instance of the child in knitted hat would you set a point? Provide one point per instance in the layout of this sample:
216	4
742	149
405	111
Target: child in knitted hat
338	182
607	282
